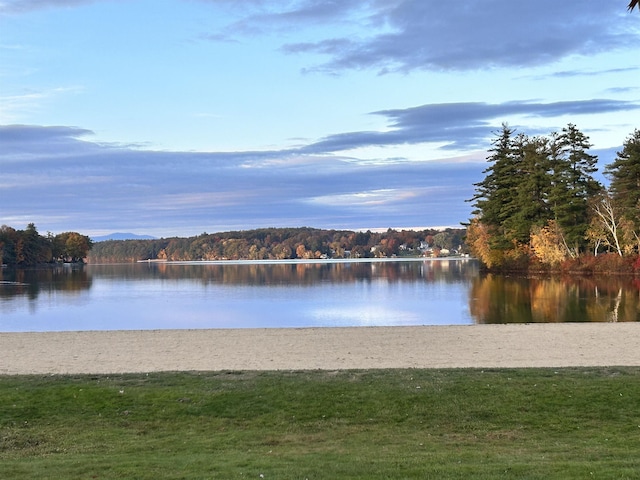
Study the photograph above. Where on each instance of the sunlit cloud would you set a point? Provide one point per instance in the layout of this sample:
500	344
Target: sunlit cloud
370	198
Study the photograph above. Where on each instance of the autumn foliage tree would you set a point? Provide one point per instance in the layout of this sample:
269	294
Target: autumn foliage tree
547	244
280	244
540	204
71	247
27	247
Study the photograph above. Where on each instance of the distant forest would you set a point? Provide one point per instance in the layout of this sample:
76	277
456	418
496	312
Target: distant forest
283	243
27	247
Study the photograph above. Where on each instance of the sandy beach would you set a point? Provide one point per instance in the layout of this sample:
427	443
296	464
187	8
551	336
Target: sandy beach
480	346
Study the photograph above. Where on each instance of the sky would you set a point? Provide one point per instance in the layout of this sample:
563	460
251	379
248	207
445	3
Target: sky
178	117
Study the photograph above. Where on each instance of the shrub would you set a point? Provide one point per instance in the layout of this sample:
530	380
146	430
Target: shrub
604	264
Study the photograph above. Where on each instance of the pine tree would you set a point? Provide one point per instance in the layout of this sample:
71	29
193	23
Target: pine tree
493	198
532	187
572	184
513	196
624	173
528	206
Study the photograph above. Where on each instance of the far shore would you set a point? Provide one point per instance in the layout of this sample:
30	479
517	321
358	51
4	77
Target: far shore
288	261
473	346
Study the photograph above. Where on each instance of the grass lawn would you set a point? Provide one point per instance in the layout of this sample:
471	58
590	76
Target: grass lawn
506	423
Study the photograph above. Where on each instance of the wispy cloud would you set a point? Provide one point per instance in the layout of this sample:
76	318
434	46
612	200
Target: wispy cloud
258	17
405	35
343	170
14	107
593	73
24	6
97	186
458	125
180	193
582	73
358	199
618	90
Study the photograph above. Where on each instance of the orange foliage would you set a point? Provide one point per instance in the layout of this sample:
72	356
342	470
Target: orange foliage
548	245
478	240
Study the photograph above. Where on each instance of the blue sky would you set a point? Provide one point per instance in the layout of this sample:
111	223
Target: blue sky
184	116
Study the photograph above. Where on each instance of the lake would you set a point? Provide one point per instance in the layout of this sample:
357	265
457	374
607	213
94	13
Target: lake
300	294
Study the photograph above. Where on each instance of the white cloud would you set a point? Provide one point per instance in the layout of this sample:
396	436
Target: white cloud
369	198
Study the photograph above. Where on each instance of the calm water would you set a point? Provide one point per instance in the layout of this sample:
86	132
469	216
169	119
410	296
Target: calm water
243	295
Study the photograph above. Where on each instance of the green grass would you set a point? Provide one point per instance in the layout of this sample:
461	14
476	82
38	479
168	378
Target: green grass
522	423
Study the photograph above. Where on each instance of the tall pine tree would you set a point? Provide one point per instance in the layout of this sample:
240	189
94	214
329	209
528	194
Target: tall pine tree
572	170
624	174
530	207
492	200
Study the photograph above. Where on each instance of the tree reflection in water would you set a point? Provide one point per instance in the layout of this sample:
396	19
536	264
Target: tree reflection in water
48	279
430	292
506	299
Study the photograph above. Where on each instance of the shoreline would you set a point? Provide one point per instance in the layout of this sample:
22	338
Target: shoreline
321	348
301	261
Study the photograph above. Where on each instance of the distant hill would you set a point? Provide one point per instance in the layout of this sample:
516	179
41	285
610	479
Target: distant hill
122	236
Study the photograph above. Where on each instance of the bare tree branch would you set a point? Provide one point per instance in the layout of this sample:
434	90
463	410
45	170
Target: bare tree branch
605	211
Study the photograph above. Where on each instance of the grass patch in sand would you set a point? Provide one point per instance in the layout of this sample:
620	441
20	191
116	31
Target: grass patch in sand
505	423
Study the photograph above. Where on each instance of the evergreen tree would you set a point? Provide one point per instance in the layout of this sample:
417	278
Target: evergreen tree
29	246
8	241
572	184
528	206
513	197
624	173
494	195
487	204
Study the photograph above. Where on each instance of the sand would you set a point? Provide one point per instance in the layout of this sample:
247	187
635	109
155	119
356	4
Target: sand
479	346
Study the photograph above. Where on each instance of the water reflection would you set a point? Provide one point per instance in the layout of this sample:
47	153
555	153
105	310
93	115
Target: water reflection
293	273
241	295
500	299
33	282
160	295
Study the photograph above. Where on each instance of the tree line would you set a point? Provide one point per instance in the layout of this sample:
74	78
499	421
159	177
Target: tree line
281	244
540	206
28	248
